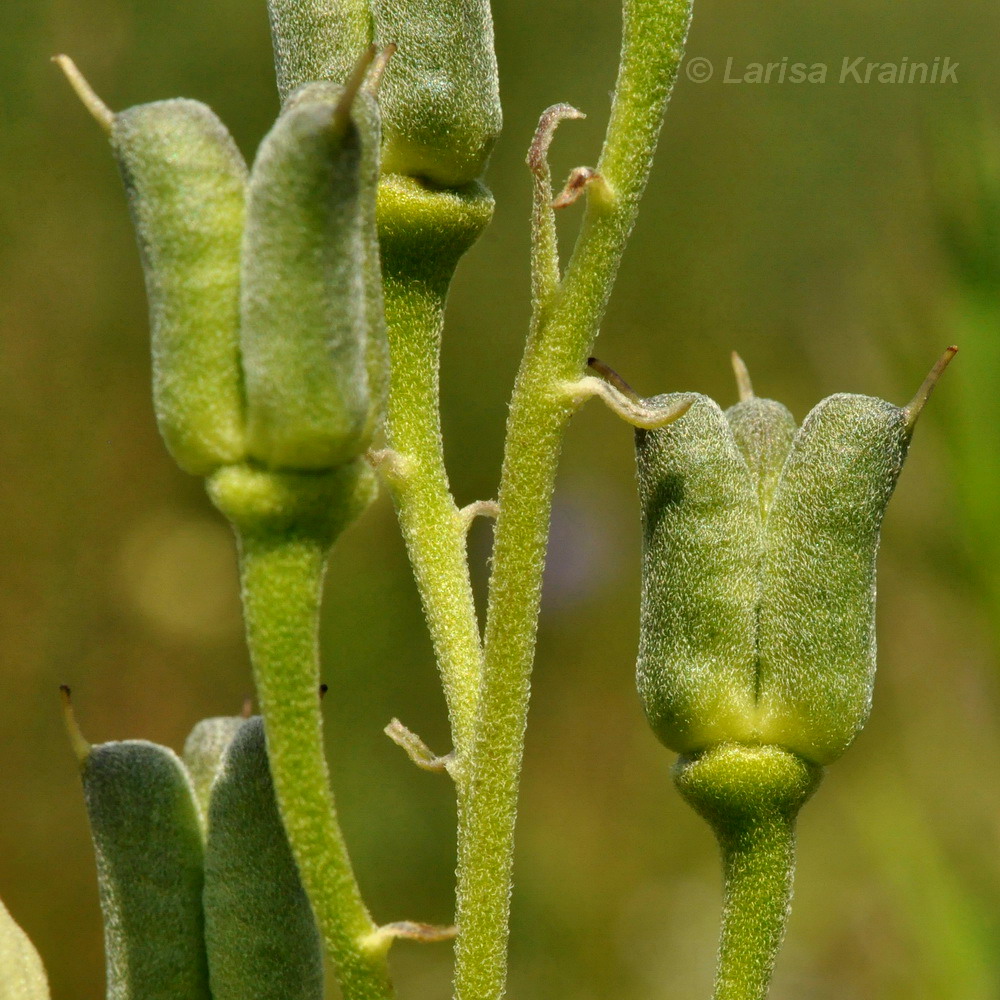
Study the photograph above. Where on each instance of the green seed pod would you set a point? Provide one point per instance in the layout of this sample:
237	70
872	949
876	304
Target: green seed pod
22	975
263	943
701	539
763	430
147	839
366	115
203	752
185	180
759	546
816	631
312	326
440	96
317	39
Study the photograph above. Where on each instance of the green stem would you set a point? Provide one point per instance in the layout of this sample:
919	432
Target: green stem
423	233
758	862
424	504
751	796
654	33
285	524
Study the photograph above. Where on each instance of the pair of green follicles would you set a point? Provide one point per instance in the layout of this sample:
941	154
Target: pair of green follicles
759	570
200	895
264	286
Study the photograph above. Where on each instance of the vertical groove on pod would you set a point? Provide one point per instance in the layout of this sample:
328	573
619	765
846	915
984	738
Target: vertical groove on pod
147	839
262	939
763	430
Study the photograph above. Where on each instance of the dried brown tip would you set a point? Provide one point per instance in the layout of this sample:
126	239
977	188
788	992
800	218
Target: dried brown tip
353	85
575	185
613	378
81	747
374	78
916	405
743	383
538	151
101	113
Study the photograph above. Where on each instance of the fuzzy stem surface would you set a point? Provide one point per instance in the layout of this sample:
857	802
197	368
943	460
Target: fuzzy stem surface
432	528
563	333
758	864
285	525
423	233
751	796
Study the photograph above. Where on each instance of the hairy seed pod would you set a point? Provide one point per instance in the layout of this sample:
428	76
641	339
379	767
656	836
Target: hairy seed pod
759	546
312	326
263	943
147	839
701	543
763	430
185	181
316	40
440	97
204	749
816	633
22	975
365	113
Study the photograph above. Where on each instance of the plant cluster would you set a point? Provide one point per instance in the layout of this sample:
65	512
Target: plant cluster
296	311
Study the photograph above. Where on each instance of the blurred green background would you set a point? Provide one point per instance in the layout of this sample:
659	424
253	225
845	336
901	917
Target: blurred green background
839	236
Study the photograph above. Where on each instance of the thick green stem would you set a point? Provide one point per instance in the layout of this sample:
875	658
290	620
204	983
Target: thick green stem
423	233
654	33
285	524
486	827
758	863
751	796
419	483
414	317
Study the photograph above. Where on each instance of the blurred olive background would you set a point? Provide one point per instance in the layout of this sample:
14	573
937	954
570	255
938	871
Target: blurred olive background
837	235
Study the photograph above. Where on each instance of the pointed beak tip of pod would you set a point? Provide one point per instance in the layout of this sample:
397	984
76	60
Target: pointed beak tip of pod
81	746
100	112
915	407
355	82
743	383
